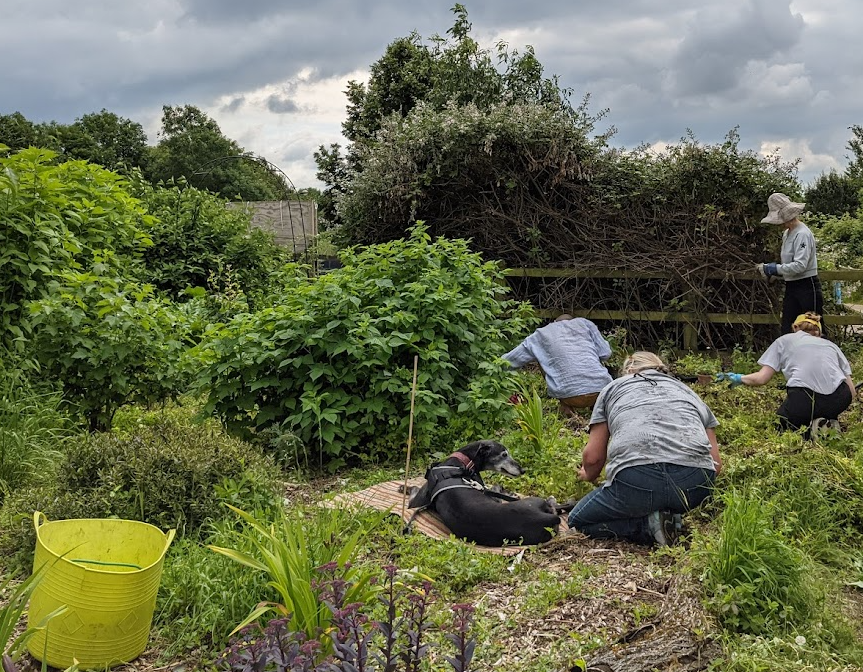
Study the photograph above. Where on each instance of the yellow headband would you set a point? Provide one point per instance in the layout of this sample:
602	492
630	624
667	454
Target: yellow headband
802	318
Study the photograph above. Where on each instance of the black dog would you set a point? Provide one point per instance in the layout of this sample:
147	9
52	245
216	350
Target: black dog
454	489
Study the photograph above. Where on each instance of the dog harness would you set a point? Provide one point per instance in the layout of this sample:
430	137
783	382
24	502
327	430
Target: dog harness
442	477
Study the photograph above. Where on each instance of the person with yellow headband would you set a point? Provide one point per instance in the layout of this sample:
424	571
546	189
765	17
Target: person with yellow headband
819	384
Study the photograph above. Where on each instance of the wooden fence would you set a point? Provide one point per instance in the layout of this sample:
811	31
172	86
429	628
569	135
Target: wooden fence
690	320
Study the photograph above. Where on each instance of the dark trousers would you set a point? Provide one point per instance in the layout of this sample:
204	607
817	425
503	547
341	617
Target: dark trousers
619	510
801	296
802	406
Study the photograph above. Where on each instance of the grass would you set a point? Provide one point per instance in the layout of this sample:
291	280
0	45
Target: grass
770	555
32	430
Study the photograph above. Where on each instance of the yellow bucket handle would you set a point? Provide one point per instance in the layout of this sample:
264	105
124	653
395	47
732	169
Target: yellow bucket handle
40	519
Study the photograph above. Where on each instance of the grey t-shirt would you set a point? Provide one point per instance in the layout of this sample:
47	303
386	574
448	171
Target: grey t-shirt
652	418
807	361
798	257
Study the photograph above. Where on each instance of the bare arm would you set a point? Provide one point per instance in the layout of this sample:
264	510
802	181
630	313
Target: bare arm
595	453
851	387
759	377
714	449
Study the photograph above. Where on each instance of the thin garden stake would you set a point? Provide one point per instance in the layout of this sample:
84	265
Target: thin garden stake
410	436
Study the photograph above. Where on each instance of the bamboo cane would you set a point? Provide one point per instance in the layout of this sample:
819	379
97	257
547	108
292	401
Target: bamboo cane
410	436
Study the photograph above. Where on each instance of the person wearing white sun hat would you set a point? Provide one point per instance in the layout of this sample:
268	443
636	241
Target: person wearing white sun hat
798	264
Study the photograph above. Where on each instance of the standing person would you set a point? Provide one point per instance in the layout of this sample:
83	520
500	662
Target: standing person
656	439
798	261
570	352
819	384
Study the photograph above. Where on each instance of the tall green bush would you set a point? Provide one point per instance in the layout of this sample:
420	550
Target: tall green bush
55	218
108	343
198	241
332	362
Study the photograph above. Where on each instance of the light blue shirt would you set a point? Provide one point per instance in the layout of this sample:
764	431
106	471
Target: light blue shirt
798	256
570	353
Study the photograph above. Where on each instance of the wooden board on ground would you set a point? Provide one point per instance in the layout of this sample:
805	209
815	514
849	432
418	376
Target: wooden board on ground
386	496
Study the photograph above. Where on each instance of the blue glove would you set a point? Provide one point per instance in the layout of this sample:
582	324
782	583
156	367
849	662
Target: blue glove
767	270
734	378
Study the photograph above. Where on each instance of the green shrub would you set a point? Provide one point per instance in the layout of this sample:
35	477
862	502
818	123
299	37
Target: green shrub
332	361
58	218
198	239
757	581
167	475
108	343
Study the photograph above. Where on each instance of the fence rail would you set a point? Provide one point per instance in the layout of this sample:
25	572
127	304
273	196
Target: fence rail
689	319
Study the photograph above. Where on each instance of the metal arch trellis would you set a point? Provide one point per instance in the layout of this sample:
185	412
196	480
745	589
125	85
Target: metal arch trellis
290	188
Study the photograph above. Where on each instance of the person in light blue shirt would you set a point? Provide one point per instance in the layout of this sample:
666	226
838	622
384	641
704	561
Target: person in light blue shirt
571	352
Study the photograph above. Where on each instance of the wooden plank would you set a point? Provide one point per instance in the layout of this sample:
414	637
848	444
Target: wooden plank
712	318
847	274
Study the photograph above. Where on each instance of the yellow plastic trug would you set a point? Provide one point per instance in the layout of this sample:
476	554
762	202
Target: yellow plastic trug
107	573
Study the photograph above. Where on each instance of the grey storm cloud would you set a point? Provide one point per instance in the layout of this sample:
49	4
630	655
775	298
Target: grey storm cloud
234	104
281	105
659	68
721	42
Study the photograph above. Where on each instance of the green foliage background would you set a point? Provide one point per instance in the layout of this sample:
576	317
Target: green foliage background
332	361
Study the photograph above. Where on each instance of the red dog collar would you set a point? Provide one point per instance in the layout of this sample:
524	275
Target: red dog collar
466	462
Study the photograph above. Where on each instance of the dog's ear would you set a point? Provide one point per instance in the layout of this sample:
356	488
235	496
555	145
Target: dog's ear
419	496
486	447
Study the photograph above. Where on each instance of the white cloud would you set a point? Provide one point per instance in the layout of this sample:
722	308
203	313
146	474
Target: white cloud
792	149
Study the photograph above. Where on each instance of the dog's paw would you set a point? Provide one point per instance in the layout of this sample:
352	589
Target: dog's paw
559	509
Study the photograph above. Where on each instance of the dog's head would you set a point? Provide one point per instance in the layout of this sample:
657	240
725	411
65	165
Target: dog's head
490	455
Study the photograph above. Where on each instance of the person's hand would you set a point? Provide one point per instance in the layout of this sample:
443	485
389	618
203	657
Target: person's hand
734	378
767	270
582	474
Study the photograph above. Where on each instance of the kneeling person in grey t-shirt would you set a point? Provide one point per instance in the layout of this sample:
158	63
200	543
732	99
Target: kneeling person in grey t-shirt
656	439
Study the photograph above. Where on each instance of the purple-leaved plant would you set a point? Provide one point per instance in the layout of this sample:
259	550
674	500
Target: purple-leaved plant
360	644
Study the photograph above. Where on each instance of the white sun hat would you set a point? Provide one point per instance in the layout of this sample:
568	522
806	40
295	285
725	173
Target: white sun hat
782	209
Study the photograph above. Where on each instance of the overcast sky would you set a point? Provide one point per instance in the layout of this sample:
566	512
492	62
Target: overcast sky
272	73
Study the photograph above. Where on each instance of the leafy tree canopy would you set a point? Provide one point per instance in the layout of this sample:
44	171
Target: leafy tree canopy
192	146
104	138
835	193
450	71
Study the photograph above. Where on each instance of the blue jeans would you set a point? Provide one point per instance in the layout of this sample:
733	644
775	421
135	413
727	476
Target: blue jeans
619	510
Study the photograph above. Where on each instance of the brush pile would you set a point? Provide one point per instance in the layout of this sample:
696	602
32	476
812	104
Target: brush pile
530	187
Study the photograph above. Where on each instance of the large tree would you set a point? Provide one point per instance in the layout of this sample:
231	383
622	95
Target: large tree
835	193
192	146
451	71
18	132
105	138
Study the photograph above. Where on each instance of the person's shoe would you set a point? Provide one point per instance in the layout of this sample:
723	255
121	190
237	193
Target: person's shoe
664	527
822	427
